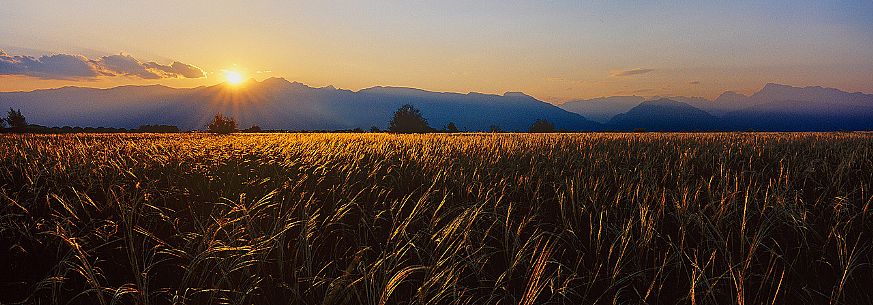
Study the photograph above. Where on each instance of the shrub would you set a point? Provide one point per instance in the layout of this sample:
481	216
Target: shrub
222	125
408	119
542	125
254	128
450	127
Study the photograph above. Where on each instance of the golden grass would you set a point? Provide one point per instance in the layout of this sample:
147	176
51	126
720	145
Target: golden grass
716	218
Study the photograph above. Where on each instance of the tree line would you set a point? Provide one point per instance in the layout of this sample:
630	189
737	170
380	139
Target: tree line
16	122
406	119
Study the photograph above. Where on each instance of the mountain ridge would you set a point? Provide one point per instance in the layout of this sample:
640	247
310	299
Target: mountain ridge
664	115
775	107
276	103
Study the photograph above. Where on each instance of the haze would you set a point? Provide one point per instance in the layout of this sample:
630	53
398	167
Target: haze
555	51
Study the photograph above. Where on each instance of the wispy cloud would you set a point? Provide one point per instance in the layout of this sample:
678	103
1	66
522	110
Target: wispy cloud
66	66
631	72
696	82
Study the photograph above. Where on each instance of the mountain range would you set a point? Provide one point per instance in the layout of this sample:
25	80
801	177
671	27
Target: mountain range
276	103
775	107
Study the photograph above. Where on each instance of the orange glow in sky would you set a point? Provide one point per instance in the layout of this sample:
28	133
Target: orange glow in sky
555	50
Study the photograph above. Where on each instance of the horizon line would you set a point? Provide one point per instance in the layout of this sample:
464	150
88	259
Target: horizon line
252	79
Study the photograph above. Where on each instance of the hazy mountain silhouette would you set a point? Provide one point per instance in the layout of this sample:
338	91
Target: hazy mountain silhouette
276	103
727	102
602	109
664	115
776	92
774	108
695	101
780	107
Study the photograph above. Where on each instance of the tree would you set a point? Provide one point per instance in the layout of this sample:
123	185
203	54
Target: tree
450	127
2	124
222	124
407	119
542	125
254	129
17	121
375	129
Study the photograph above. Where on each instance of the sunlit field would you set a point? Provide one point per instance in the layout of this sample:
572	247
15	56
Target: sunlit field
732	218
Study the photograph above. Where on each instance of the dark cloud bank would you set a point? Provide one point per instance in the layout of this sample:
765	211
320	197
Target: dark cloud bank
66	66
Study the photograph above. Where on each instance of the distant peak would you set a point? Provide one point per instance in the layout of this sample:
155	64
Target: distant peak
770	86
772	90
516	94
277	80
664	102
393	90
661	100
731	95
773	86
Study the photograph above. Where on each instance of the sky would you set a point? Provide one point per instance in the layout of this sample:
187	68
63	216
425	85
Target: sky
553	50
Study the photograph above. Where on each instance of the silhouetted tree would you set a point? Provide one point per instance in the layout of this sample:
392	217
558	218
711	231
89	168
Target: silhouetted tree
254	128
450	127
407	119
494	128
222	124
542	125
17	121
375	129
2	124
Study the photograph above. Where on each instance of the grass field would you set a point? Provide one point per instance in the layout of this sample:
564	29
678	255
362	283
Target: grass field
727	218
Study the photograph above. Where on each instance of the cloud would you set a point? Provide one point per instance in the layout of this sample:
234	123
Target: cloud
696	82
127	65
187	70
59	66
65	66
631	72
176	68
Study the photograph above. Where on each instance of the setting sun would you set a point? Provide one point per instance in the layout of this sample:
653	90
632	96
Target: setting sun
233	77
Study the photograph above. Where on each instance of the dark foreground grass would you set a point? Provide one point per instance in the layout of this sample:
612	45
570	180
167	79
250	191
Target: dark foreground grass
437	219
